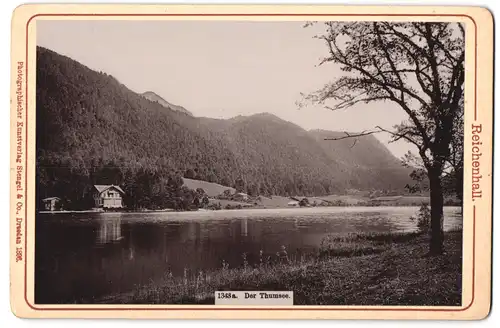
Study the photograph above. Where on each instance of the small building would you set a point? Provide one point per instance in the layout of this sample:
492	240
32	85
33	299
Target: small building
51	203
316	201
293	203
108	196
385	199
241	196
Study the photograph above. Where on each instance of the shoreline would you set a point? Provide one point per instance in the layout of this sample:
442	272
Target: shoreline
349	270
254	208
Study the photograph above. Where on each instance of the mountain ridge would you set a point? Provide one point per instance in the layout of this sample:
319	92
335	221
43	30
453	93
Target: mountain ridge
152	96
93	129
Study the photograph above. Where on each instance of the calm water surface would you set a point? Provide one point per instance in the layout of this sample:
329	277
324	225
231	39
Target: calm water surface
80	256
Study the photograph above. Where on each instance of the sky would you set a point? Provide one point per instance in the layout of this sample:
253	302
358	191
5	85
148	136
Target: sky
220	69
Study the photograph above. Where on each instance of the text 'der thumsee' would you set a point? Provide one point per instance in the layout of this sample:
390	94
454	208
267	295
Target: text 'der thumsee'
254	298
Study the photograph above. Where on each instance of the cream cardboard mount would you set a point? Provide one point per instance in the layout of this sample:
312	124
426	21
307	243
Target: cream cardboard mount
134	195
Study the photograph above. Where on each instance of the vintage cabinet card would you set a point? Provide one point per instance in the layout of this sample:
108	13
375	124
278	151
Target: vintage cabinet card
251	161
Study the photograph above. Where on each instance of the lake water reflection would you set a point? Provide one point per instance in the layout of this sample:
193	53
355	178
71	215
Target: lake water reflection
80	256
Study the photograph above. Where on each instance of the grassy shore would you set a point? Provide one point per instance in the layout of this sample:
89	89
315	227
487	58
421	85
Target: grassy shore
366	269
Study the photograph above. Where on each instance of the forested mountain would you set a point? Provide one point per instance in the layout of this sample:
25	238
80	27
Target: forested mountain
91	129
279	157
370	161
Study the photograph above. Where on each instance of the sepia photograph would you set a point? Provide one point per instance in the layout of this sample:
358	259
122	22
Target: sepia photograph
181	161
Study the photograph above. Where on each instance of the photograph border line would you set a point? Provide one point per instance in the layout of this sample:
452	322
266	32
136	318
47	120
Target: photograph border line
295	308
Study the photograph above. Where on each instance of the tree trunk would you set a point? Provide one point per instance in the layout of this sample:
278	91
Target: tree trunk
436	231
460	187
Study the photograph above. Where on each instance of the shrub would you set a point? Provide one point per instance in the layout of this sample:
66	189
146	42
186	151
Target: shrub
423	219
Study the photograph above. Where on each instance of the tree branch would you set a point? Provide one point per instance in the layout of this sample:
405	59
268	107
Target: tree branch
389	59
396	135
356	135
432	61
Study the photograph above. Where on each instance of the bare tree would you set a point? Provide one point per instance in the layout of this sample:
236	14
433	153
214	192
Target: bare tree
418	66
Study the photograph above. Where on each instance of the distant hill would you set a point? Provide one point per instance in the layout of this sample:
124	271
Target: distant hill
283	147
289	156
149	95
367	157
93	129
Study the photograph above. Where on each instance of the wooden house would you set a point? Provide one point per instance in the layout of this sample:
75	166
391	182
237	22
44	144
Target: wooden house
108	196
51	203
241	196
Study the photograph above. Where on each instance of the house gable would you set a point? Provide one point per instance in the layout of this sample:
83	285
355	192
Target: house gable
103	188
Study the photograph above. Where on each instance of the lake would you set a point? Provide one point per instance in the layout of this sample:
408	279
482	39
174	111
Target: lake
80	256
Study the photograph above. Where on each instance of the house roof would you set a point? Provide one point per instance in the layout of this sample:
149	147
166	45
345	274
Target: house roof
103	188
51	198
